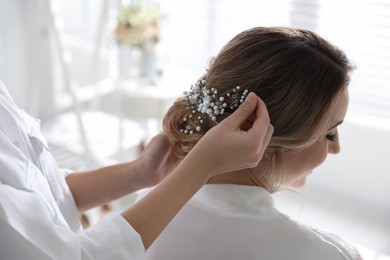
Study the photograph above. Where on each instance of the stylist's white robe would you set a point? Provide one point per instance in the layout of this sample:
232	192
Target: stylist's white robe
38	216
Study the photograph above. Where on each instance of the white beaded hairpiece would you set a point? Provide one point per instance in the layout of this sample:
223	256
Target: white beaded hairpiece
206	102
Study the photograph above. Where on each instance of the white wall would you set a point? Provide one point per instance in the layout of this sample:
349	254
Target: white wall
25	54
360	174
13	52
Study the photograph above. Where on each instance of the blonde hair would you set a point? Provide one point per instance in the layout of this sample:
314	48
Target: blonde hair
294	71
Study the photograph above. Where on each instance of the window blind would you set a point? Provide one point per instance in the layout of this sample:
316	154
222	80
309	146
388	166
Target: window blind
362	29
193	31
80	19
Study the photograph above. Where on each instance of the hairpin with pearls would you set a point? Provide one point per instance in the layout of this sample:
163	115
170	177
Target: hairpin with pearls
205	102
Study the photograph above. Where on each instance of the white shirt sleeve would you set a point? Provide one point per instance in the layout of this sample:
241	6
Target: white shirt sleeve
38	216
27	231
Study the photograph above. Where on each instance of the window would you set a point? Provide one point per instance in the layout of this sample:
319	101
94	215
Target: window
80	19
361	28
193	31
86	33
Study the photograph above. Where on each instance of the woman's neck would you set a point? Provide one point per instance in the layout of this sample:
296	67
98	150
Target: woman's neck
236	177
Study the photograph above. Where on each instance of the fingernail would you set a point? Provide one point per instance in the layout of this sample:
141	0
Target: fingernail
250	97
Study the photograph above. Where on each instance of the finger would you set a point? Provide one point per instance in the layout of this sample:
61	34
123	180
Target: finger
263	145
261	124
244	111
267	139
248	122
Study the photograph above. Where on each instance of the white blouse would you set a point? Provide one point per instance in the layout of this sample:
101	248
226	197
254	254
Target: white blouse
38	216
226	221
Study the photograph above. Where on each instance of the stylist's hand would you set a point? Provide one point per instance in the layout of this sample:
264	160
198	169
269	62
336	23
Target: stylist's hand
238	142
157	160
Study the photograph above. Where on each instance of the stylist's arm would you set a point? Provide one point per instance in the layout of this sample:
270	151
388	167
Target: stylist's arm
39	218
226	147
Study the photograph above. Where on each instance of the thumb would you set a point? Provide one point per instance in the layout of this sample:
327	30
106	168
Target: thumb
244	111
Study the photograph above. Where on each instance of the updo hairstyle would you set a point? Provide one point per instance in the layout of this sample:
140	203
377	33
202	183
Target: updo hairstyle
295	72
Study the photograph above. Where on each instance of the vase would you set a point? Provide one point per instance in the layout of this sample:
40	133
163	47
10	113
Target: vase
129	62
148	63
136	62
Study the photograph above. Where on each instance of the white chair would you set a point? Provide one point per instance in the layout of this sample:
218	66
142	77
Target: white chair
85	129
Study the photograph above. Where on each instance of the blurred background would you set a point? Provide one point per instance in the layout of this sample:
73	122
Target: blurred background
100	75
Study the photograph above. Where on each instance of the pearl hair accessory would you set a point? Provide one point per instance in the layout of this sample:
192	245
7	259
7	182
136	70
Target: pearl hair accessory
205	102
